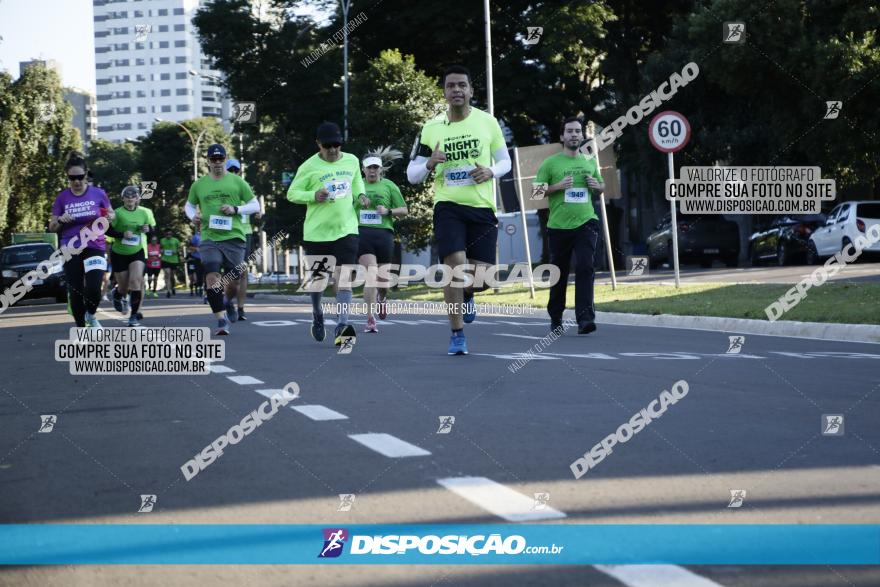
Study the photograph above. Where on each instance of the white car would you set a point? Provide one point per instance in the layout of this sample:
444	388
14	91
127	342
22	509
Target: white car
845	222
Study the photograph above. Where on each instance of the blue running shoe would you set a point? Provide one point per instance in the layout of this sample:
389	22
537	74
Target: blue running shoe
231	313
457	345
470	310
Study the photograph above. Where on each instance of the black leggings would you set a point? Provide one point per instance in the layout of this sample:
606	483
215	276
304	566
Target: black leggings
84	288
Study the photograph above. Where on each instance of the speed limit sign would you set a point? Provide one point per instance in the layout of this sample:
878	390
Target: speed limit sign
669	131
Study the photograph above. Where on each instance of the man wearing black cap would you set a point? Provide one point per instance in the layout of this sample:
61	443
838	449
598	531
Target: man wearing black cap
215	203
327	183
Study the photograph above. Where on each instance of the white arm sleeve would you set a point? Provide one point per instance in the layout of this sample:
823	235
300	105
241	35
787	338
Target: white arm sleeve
190	210
252	207
502	163
417	170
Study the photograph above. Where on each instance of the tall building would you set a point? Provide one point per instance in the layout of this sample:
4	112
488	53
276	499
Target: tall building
146	52
84	113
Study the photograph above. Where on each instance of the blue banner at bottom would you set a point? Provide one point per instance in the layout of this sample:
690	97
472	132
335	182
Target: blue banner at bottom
552	544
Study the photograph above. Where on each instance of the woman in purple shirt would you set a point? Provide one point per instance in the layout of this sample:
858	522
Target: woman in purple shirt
73	214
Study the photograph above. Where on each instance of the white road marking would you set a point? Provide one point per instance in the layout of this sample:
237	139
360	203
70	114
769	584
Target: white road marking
499	499
519	336
655	576
270	393
319	412
221	369
517	356
388	445
244	379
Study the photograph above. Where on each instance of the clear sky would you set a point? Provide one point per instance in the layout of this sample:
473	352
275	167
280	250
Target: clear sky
49	29
61	30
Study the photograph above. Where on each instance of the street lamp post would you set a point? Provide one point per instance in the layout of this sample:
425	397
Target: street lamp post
194	141
345	6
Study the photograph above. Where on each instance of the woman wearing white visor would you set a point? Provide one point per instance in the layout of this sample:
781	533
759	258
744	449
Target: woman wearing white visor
376	227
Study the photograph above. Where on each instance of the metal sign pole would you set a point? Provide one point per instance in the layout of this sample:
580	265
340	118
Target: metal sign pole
605	230
522	212
674	226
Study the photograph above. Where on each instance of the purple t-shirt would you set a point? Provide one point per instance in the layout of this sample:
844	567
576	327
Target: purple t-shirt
84	209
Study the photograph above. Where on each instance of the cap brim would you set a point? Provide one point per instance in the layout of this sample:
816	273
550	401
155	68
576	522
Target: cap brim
372	161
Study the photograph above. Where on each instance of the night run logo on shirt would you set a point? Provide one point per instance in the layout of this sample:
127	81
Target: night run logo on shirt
461	147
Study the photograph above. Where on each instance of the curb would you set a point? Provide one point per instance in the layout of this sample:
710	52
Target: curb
813	330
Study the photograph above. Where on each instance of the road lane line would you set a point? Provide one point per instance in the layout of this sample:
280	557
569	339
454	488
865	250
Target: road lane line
244	379
221	369
319	413
270	393
388	445
499	499
655	576
519	336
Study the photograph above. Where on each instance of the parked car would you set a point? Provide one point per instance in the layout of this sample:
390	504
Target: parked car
845	222
701	239
17	260
785	240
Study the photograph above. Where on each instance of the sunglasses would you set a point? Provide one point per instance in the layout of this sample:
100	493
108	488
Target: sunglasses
80	177
216	159
331	145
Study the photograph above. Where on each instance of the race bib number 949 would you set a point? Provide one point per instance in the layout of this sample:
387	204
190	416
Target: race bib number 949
576	196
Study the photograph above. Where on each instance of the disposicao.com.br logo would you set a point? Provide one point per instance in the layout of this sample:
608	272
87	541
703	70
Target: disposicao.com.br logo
334	540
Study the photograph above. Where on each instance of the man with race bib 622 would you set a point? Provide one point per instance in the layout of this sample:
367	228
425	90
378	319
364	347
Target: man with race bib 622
459	146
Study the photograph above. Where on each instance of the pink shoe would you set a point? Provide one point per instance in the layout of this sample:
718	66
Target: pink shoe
371	325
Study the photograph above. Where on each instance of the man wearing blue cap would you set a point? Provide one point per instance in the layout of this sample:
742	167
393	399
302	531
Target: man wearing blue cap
236	289
216	202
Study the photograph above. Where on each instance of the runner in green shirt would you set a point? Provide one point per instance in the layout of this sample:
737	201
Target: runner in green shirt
170	260
459	147
129	230
568	178
216	202
376	228
329	183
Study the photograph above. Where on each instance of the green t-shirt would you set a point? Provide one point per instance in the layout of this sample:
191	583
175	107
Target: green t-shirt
169	248
131	220
467	142
573	207
332	219
209	195
382	193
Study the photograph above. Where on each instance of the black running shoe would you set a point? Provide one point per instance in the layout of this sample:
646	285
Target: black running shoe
317	329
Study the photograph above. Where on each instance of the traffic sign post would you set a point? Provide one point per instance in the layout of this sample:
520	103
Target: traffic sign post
670	131
608	250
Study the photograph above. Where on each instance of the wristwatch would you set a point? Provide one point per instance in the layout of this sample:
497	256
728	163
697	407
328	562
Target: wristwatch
235	208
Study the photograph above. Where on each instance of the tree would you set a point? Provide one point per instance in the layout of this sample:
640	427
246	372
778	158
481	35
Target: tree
113	166
166	157
392	100
36	138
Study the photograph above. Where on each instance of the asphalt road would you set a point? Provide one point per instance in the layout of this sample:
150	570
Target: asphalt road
751	421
